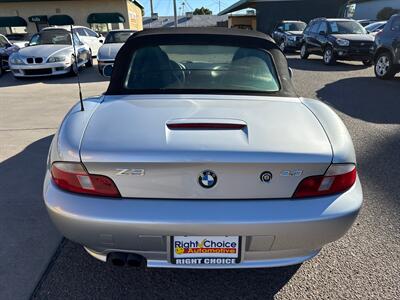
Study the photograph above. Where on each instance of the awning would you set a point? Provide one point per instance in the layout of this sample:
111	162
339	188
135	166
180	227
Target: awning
12	22
106	18
38	19
60	20
138	4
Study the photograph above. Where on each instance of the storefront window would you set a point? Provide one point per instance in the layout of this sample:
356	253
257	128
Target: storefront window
106	27
99	27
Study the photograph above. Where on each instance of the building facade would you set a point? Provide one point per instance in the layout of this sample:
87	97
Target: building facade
247	21
270	12
369	9
100	15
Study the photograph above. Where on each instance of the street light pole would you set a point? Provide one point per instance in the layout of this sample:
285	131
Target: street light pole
175	16
151	8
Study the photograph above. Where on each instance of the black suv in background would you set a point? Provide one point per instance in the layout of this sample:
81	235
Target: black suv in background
387	49
337	39
288	34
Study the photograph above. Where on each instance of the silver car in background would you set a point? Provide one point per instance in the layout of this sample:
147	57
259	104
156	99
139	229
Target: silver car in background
201	155
115	39
51	52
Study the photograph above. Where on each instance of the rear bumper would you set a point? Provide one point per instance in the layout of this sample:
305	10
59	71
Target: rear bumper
274	232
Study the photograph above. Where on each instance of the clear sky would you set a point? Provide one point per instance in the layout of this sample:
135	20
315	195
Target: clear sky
165	7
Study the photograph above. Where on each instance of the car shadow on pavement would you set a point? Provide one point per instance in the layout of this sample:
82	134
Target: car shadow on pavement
315	64
86	76
378	165
76	275
365	98
28	239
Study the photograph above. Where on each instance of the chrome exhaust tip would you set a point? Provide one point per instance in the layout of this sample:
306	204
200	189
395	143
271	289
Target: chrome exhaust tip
117	258
135	260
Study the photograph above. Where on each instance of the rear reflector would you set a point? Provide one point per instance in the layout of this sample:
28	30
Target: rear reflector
73	177
205	126
337	179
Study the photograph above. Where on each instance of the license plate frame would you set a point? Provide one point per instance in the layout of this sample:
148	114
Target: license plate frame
203	259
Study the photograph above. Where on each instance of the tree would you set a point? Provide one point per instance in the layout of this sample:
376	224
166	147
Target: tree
386	12
202	11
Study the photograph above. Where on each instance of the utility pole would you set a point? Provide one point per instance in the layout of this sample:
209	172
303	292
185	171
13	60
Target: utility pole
219	6
175	16
151	8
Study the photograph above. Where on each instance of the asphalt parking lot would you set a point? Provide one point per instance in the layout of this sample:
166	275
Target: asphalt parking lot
365	264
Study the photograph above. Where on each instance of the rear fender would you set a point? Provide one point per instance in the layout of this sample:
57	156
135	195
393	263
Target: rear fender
336	131
66	142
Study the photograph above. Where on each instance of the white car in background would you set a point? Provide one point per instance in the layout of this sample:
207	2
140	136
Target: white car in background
86	35
375	28
115	39
51	52
90	37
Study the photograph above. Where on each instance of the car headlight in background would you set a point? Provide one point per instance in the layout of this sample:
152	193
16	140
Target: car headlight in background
16	61
53	59
342	42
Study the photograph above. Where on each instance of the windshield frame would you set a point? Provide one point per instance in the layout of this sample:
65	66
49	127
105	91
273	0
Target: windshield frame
273	71
54	31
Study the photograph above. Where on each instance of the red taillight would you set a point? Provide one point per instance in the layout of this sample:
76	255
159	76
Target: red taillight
73	177
338	178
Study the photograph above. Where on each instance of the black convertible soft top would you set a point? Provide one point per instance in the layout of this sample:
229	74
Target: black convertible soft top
198	36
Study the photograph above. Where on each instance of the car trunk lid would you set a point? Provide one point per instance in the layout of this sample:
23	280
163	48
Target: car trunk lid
157	146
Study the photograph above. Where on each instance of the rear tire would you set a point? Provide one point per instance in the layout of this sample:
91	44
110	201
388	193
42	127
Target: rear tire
74	68
303	51
384	67
89	63
328	56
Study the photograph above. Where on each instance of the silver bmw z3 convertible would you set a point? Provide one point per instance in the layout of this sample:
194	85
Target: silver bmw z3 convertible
201	155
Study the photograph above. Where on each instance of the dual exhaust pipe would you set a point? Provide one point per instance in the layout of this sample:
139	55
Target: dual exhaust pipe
121	259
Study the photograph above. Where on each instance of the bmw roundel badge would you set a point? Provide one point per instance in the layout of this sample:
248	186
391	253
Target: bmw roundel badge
266	176
207	179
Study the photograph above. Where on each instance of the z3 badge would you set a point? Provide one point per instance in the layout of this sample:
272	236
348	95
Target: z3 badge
291	173
131	172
